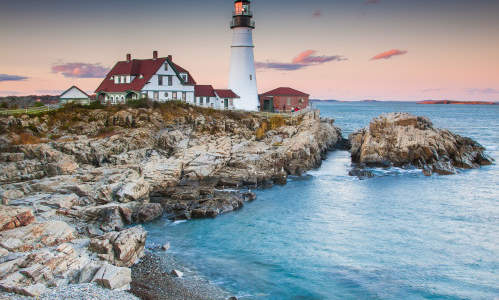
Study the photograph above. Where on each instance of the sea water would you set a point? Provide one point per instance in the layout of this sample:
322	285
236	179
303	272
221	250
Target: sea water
327	235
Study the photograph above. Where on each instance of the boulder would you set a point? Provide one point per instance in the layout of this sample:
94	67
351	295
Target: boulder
133	191
114	278
12	217
148	212
401	139
177	273
122	248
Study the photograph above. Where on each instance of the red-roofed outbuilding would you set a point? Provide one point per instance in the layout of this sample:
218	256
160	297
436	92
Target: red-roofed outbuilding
283	99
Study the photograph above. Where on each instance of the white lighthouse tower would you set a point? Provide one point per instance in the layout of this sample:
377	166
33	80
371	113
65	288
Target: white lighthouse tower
242	65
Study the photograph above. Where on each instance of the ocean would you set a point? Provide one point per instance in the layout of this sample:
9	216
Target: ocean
327	235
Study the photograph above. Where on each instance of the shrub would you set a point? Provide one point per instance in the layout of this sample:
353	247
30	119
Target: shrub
26	139
140	103
276	122
105	132
95	105
38	104
260	132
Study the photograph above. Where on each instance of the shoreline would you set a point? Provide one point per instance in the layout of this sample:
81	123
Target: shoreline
151	279
76	184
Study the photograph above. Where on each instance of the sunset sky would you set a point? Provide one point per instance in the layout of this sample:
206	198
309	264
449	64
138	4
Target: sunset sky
347	50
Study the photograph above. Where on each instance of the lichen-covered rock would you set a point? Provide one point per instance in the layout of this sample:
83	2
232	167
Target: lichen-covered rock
36	235
401	139
12	217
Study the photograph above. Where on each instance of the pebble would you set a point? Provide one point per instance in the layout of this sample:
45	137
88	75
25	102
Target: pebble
76	292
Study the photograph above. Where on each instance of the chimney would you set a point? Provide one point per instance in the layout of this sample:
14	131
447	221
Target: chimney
155	54
128	57
170	58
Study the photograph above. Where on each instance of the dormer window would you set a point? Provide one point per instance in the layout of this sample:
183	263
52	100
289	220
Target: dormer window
184	77
166	66
141	76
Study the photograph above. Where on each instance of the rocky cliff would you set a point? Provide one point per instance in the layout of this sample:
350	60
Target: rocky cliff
72	182
401	139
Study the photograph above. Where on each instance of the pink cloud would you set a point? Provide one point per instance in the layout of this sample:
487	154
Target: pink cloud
372	1
389	54
317	13
80	70
302	60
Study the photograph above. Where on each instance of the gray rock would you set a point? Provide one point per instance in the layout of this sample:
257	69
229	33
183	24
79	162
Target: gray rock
177	273
114	278
401	139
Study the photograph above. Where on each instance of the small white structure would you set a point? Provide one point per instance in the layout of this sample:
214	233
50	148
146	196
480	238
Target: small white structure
159	79
207	96
242	79
74	95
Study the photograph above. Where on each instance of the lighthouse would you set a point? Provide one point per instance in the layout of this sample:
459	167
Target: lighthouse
242	78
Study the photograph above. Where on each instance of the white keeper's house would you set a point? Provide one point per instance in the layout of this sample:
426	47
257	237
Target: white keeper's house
157	78
74	95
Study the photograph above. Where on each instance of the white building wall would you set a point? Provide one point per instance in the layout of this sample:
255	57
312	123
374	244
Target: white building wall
165	91
73	93
242	79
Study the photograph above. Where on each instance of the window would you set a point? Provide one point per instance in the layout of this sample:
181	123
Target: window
251	77
184	77
201	101
166	66
166	95
184	96
160	80
170	80
174	95
156	95
123	80
288	101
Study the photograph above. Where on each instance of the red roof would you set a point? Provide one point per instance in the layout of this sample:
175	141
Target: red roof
285	91
136	67
204	91
226	94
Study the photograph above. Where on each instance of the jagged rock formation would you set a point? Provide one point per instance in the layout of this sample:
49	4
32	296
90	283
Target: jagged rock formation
401	139
72	184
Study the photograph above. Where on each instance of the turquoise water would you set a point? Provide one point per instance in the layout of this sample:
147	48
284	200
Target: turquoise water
327	235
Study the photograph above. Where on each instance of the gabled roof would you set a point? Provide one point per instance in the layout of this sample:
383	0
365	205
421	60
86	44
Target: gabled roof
73	87
204	91
285	91
226	94
136	67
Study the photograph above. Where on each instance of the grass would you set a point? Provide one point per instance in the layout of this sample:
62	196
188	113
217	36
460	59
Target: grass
27	139
105	132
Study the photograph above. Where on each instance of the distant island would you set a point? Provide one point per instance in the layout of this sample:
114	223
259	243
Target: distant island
417	102
457	102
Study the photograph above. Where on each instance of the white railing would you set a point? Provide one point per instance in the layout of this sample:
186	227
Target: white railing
30	110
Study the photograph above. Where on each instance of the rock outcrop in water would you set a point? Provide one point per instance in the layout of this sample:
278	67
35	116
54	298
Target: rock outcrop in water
72	182
401	139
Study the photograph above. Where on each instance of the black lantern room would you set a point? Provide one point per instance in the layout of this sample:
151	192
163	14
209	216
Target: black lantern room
242	14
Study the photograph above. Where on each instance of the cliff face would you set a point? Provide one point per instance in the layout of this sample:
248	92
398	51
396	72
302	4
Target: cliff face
401	139
96	171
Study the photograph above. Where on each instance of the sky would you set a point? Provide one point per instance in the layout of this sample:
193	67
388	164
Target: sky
331	49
